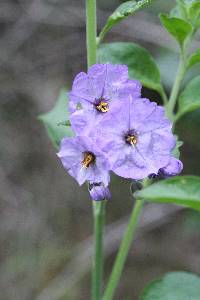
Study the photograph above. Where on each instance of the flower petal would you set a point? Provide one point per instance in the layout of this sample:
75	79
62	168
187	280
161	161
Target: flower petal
173	168
72	153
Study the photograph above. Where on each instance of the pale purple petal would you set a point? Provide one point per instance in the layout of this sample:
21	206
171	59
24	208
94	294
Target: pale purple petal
130	87
116	74
155	141
173	168
72	153
103	82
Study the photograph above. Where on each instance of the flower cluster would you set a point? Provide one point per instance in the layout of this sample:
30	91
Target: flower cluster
116	130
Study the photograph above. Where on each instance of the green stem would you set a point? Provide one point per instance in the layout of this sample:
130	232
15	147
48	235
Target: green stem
91	30
102	34
163	95
98	207
176	86
99	217
123	251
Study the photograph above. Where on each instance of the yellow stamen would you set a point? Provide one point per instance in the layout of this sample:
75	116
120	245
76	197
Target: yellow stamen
88	159
131	139
103	107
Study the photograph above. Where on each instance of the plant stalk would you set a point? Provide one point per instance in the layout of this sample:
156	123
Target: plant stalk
91	31
163	95
123	251
99	218
99	206
175	90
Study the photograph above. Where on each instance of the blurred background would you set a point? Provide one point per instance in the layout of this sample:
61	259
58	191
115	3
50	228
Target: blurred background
45	218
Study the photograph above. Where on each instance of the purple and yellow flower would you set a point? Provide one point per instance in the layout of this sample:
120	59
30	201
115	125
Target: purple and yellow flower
115	130
84	160
103	85
138	139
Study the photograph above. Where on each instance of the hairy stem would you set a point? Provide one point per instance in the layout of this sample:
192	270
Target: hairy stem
99	218
98	207
175	89
163	95
102	35
91	30
123	251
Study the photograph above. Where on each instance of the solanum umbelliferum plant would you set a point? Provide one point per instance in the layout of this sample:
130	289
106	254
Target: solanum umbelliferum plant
106	125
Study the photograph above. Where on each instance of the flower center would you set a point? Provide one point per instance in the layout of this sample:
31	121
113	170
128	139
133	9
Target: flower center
131	139
102	106
88	159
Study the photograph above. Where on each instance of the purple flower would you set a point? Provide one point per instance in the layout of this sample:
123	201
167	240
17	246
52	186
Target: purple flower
138	139
99	192
173	168
116	130
84	160
100	88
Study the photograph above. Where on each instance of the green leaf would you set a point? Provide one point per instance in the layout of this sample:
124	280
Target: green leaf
194	59
182	9
140	63
194	11
173	286
175	12
56	121
125	10
181	190
189	99
178	28
188	11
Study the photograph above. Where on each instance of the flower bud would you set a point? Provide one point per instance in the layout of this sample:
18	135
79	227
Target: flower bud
173	168
99	192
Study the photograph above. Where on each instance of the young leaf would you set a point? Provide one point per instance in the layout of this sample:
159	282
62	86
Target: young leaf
175	12
194	59
140	63
189	99
178	28
173	286
194	11
53	119
188	10
176	151
181	190
182	9
125	10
